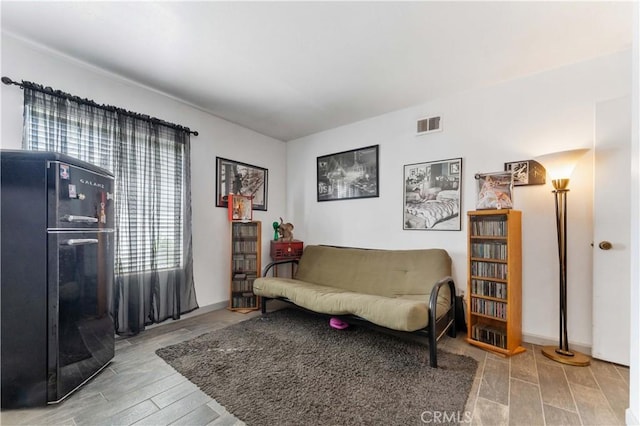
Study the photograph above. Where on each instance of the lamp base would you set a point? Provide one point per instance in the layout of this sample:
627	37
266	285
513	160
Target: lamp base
571	358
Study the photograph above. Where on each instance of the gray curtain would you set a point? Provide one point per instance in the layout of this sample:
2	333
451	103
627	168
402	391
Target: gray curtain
151	162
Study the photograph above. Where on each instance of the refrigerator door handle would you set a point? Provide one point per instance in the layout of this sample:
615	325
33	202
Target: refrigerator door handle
75	218
81	241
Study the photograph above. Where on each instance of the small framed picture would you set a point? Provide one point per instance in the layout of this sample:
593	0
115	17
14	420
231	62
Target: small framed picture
495	190
527	172
239	207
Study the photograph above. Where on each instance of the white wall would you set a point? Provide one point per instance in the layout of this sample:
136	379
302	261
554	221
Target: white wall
512	121
633	412
515	120
217	137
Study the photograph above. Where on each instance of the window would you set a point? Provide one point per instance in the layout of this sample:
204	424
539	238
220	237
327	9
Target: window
150	160
154	186
147	159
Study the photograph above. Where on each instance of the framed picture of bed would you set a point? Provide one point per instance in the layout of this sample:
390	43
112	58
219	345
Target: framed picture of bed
432	195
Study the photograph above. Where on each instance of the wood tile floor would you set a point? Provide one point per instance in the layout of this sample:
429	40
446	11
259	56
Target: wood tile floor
530	389
139	388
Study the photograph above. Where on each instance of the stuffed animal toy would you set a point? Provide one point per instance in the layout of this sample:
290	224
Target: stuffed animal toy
285	230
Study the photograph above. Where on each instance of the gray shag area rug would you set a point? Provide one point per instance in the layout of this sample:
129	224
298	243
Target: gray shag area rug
290	368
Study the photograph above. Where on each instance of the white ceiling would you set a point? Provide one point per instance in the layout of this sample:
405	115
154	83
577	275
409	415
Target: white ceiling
290	69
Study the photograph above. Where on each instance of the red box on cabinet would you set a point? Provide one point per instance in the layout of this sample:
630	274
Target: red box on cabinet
285	250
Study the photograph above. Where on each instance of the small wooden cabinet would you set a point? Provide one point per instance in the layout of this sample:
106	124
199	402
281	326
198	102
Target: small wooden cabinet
494	284
286	250
246	244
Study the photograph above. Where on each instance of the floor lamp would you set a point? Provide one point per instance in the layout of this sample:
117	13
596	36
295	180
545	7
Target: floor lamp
559	167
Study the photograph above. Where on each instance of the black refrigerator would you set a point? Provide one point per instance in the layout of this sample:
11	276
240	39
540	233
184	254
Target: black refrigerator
57	271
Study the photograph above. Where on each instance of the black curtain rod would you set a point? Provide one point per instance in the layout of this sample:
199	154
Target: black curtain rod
60	94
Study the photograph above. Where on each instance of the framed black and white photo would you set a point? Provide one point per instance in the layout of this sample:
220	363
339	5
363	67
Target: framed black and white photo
234	177
348	174
432	195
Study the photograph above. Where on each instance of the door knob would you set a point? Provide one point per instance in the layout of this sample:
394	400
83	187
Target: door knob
605	245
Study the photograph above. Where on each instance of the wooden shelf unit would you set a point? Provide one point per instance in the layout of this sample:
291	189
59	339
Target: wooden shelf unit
494	282
246	250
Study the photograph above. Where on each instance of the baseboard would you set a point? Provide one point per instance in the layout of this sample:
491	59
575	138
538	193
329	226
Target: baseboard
200	311
545	341
630	418
206	309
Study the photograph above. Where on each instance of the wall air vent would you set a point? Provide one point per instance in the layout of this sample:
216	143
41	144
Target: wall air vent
429	125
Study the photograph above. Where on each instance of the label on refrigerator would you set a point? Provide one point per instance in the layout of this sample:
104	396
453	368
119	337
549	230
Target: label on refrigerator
72	191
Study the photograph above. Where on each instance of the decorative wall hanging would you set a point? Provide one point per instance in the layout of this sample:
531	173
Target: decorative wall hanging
233	177
432	195
495	190
239	208
527	172
348	174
